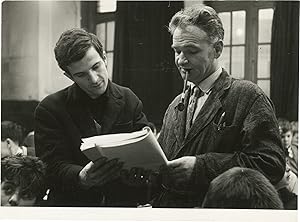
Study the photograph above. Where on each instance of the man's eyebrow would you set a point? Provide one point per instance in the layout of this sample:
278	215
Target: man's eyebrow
96	64
186	45
77	73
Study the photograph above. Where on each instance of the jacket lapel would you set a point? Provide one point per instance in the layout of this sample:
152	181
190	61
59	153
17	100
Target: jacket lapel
113	108
80	115
209	109
180	117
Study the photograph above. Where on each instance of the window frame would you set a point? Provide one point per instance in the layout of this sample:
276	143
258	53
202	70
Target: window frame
90	18
251	37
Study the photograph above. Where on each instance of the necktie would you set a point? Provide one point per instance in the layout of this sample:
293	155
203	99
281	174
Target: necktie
192	107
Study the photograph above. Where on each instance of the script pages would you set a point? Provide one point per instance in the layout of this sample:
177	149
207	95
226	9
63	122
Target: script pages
137	149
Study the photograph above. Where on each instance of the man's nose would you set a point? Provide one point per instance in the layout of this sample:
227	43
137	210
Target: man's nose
182	60
14	200
93	77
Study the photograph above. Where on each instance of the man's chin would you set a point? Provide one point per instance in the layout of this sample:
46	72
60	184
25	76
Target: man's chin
96	93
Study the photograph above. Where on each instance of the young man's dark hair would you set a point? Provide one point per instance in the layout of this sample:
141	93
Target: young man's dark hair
73	45
22	180
242	188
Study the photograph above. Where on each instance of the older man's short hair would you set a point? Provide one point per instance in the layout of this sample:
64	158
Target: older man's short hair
201	16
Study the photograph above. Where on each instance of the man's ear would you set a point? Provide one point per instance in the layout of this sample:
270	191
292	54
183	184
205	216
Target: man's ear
218	48
105	58
9	143
68	75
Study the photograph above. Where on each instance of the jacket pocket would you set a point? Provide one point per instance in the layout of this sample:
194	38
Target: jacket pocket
226	138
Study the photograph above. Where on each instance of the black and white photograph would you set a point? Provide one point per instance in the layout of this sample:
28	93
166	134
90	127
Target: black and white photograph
117	110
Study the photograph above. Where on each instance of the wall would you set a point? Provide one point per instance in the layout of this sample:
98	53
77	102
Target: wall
29	71
19	72
30	30
189	3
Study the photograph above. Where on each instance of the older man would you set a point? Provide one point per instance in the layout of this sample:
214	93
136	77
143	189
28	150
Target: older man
224	122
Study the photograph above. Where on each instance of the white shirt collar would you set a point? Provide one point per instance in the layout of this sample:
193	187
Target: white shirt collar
207	83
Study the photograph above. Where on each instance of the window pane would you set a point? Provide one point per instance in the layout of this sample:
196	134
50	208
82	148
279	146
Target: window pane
110	61
225	18
224	59
106	6
100	32
238	61
110	36
265	17
238	27
263	61
265	86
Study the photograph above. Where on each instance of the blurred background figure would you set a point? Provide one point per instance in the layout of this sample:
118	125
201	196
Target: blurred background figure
22	181
288	188
286	131
242	188
12	135
295	132
29	143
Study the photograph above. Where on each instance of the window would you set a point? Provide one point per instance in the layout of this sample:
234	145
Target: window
99	17
233	57
247	40
106	6
105	29
106	33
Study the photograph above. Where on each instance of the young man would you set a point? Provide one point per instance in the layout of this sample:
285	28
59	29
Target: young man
12	135
228	123
22	180
93	105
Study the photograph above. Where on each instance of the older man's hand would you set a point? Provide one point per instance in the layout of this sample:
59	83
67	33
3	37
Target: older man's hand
180	170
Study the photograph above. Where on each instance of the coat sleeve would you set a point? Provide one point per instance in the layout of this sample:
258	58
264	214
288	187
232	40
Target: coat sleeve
260	149
139	118
51	147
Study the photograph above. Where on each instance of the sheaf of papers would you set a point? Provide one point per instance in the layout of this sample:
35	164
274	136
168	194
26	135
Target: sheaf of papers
137	149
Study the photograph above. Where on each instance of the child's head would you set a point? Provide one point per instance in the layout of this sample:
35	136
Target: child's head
286	132
295	132
242	188
12	136
22	180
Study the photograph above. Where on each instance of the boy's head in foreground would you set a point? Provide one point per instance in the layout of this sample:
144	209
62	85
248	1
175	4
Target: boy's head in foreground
22	180
242	188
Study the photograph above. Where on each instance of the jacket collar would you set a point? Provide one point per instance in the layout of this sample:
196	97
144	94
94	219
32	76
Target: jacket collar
81	116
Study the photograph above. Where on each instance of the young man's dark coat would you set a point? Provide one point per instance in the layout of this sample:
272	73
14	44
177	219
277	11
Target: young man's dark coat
62	120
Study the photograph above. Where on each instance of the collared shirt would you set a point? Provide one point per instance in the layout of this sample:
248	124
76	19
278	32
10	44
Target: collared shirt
206	86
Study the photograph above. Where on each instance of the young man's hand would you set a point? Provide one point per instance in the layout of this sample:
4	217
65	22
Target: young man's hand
99	172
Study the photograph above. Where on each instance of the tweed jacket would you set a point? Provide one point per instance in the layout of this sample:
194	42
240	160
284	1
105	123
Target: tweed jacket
61	121
248	136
